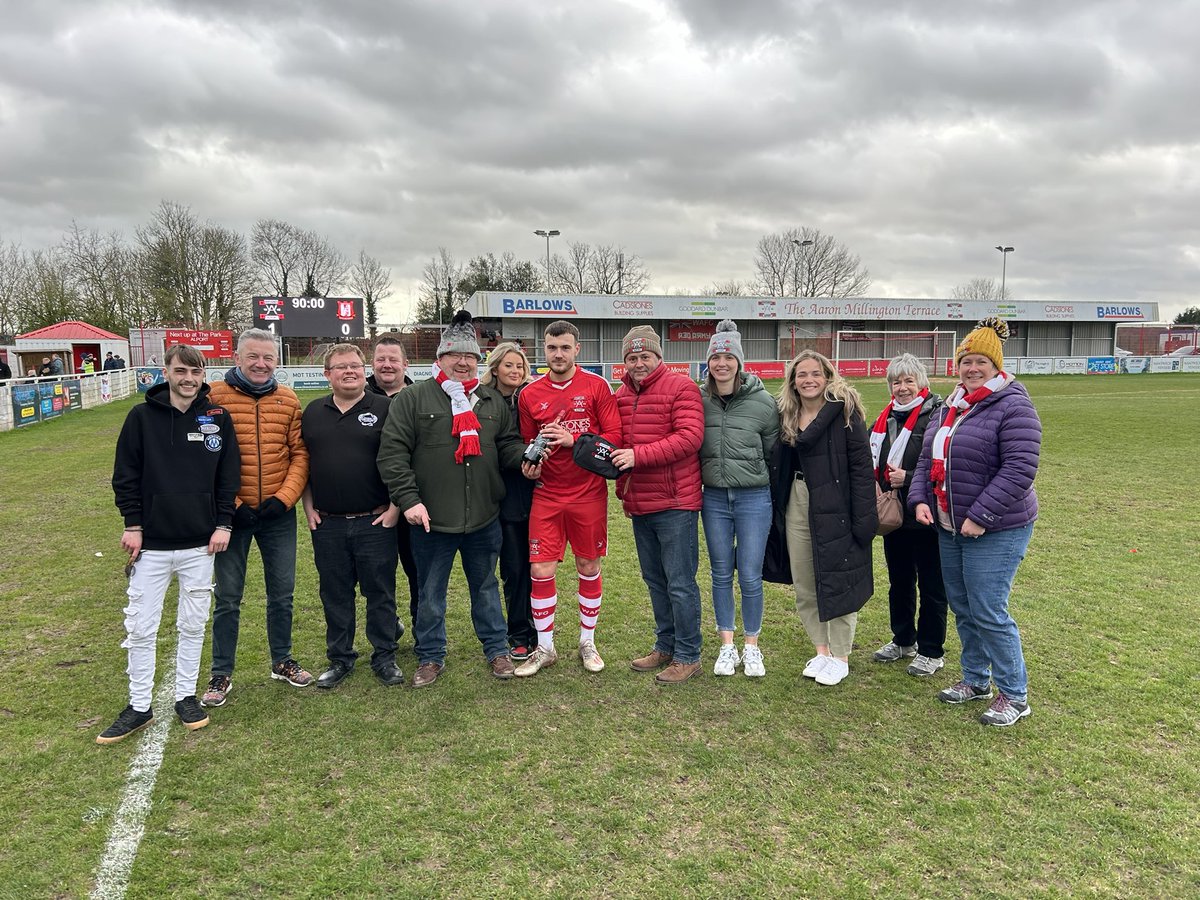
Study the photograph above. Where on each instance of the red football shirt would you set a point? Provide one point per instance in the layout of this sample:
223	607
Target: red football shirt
586	404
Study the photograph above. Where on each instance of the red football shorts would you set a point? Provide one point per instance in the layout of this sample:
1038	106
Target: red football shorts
553	523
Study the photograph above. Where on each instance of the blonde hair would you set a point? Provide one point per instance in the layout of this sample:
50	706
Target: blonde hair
836	389
497	356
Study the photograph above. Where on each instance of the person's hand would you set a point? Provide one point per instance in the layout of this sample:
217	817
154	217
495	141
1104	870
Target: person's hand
219	541
530	471
972	529
896	477
244	517
558	435
923	513
131	543
271	508
624	458
389	517
313	517
417	515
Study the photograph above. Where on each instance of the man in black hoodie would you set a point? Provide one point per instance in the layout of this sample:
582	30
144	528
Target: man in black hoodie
176	477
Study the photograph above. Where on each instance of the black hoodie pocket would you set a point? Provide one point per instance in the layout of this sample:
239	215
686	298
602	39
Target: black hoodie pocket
175	517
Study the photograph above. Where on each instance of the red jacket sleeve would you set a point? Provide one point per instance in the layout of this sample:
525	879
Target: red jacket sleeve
686	432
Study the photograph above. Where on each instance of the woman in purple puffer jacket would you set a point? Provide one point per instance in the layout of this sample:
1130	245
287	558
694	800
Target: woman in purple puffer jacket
975	482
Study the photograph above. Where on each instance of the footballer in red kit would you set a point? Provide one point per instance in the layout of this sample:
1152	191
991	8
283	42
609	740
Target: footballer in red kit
570	504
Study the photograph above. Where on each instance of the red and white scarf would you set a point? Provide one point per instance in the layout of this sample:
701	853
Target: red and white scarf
879	432
465	425
957	405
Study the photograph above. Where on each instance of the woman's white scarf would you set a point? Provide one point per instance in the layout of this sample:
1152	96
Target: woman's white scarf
879	432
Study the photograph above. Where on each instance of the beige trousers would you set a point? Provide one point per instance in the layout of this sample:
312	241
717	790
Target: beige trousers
836	634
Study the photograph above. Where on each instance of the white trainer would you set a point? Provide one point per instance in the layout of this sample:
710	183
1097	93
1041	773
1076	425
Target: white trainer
591	658
541	658
833	672
727	660
752	661
814	666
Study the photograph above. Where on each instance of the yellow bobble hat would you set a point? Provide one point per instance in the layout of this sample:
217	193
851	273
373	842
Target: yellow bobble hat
987	339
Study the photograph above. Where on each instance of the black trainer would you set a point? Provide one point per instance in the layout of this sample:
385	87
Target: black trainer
129	721
191	713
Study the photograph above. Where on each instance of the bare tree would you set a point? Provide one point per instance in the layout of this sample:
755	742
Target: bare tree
198	274
370	280
569	274
47	295
439	299
322	265
787	266
14	266
979	289
731	288
604	269
275	252
106	276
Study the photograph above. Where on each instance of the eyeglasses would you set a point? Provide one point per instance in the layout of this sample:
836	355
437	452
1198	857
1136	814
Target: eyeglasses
457	357
347	367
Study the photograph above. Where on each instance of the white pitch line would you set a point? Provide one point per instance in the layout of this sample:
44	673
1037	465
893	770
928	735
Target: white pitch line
125	835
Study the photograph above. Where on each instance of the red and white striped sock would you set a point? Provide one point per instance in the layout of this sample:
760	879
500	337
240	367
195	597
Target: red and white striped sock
543	598
590	589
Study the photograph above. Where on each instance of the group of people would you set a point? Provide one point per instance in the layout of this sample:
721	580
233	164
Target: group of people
505	470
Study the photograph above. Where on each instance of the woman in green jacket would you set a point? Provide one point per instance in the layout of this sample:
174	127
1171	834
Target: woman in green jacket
741	426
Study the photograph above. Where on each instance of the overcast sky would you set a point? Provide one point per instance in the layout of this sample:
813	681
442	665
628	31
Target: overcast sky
920	134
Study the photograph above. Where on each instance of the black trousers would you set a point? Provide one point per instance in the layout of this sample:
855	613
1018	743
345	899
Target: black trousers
514	573
409	565
913	558
350	553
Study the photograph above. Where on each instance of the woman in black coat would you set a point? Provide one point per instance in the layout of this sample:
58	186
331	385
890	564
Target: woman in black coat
911	550
824	493
508	372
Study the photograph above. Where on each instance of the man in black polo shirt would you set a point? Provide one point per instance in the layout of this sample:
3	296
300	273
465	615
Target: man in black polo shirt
350	518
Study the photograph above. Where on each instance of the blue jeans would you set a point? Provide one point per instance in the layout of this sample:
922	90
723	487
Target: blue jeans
736	524
276	541
434	552
979	573
353	553
668	549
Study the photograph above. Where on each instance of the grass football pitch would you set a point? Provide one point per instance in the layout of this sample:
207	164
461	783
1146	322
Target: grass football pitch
569	784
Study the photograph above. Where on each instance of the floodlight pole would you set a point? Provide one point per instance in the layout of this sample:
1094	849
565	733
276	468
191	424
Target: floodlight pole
801	244
1004	251
553	232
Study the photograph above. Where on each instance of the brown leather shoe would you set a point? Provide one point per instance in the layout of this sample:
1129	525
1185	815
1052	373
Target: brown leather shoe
651	661
426	674
502	667
677	672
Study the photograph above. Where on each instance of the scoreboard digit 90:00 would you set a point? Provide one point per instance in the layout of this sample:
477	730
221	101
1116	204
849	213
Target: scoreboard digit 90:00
314	317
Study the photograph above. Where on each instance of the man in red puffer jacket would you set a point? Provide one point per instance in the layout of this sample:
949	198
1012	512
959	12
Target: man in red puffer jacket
662	426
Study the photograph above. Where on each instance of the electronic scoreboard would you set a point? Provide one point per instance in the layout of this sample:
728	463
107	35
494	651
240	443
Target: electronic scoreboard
313	317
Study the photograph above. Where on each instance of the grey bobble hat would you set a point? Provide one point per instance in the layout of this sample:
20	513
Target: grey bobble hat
727	339
460	336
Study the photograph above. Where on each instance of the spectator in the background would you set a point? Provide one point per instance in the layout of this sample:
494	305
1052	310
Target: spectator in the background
56	365
46	369
89	364
5	371
110	362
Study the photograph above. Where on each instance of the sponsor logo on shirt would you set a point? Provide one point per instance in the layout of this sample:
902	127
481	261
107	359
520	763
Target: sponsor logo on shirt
367	419
195	436
210	428
212	442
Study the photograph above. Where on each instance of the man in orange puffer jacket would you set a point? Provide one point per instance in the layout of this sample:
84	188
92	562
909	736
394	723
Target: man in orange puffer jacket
266	417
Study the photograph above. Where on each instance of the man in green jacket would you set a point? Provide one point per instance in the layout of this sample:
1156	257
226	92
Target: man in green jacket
444	444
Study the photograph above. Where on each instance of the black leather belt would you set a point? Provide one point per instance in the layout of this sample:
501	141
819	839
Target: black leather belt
327	515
